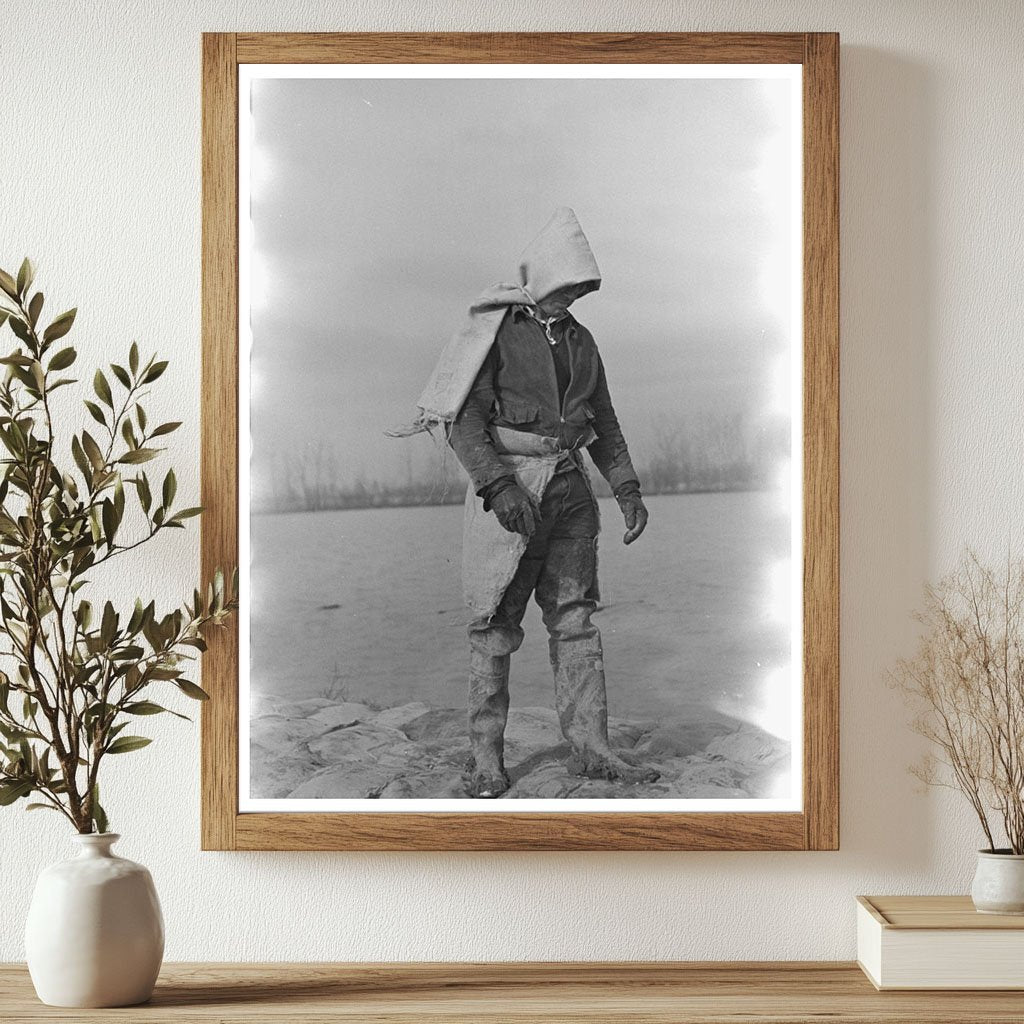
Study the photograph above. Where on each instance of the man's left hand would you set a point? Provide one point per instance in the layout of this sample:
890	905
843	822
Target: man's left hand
634	511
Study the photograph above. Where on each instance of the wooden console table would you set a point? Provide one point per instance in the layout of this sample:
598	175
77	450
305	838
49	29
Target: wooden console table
641	993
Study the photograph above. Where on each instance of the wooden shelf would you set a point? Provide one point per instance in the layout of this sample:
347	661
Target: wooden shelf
655	993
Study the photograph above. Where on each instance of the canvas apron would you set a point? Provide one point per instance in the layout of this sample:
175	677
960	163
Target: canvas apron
490	553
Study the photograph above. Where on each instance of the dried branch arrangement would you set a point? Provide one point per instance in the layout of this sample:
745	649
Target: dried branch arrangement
967	682
79	672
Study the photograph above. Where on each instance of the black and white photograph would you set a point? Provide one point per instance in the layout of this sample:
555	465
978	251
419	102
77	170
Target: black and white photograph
520	437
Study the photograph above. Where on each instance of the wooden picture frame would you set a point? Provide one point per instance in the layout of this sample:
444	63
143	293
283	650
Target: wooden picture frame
816	826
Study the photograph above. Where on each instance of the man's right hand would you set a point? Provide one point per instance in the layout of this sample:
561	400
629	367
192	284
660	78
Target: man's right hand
516	509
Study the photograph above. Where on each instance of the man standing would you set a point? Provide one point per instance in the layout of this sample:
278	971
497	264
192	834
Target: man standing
539	399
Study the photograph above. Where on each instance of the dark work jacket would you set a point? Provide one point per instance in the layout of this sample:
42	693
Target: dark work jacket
517	387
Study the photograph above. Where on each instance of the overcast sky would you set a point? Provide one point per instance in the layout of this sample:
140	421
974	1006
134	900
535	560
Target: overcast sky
380	208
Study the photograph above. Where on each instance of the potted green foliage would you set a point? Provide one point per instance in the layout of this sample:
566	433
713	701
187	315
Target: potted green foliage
77	671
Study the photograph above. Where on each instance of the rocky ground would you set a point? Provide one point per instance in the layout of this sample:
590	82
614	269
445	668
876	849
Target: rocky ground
322	748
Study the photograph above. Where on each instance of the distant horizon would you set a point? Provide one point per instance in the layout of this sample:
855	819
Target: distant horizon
460	500
724	455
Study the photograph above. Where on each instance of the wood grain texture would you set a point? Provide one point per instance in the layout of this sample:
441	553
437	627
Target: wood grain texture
219	434
936	912
613	993
520	48
616	831
821	440
814	828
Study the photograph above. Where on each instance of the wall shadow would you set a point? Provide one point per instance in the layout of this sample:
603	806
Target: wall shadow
887	275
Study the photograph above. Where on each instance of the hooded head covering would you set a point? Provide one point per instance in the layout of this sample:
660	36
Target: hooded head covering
559	256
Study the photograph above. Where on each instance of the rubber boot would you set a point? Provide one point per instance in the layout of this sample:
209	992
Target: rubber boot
567	594
582	703
488	713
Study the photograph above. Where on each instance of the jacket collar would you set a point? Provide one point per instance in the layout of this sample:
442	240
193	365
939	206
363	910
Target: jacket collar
521	309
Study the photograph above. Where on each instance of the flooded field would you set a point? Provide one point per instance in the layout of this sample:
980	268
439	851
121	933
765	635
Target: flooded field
367	604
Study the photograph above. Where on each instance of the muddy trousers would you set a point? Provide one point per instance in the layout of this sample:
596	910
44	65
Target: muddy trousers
559	568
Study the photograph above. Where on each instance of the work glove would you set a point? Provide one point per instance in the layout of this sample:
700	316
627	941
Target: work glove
634	512
517	510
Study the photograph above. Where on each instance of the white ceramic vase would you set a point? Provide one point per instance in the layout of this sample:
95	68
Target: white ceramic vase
999	883
95	933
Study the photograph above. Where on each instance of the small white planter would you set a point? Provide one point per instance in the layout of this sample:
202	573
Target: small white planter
95	933
999	883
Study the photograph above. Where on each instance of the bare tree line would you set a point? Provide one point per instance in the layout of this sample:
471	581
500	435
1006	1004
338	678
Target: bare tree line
692	454
312	479
713	452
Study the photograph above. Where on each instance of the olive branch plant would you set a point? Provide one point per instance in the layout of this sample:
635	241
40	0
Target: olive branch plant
80	675
966	682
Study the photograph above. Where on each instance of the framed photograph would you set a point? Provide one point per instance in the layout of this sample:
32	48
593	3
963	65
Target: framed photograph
520	420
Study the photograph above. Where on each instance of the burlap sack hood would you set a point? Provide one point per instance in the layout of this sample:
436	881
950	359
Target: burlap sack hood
559	256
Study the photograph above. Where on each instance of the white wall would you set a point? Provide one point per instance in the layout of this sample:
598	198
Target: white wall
99	182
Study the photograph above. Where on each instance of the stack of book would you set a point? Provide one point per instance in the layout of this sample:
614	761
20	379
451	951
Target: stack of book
938	942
